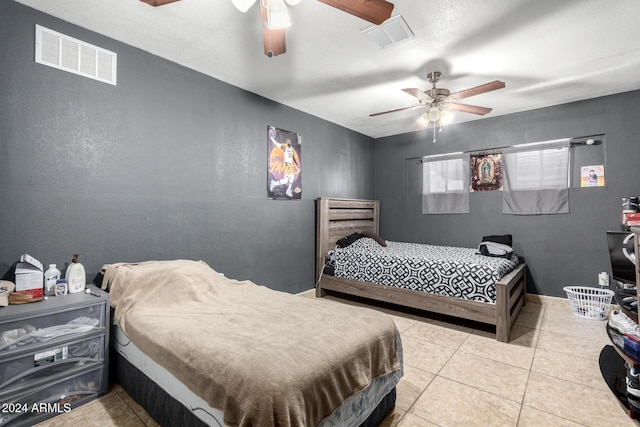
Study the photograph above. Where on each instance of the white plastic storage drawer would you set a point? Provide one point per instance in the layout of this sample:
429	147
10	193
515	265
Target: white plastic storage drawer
55	398
35	330
39	365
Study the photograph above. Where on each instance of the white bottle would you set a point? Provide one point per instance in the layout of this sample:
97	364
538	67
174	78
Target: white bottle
75	275
51	276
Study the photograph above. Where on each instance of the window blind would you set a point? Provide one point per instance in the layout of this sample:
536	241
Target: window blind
445	184
536	178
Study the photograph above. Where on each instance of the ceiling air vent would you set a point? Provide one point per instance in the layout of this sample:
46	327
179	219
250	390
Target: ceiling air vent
75	56
391	32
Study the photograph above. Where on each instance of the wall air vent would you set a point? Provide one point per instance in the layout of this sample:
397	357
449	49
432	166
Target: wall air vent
75	56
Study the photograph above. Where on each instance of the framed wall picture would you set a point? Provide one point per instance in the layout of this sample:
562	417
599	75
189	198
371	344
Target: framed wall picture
284	164
486	172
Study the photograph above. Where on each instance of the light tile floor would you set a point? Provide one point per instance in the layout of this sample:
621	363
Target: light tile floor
457	374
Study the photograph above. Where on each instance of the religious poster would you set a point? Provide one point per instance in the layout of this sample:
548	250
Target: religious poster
592	176
486	172
284	165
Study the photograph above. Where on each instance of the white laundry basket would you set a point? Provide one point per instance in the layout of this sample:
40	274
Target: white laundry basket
588	302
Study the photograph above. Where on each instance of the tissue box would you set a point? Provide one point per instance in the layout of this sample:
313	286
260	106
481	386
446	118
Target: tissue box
29	276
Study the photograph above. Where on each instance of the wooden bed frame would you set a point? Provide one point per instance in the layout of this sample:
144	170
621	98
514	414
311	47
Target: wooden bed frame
337	218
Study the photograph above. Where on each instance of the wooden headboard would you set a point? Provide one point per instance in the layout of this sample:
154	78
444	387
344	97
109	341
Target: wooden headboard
337	218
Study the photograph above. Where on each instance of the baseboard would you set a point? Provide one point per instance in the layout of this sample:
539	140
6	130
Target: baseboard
546	300
311	293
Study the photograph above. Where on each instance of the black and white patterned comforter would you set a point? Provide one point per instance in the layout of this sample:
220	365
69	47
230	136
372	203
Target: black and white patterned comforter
443	270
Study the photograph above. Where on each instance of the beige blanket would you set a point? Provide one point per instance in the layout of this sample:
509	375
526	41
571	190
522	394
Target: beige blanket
264	357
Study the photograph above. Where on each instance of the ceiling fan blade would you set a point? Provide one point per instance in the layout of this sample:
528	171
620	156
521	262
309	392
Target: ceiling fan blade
487	87
274	41
413	107
374	11
157	2
418	94
466	108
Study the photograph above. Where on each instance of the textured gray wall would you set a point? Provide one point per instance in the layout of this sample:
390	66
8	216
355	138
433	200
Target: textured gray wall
168	164
561	250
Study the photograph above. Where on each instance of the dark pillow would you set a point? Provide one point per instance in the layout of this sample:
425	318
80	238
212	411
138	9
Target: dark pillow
505	239
375	237
348	240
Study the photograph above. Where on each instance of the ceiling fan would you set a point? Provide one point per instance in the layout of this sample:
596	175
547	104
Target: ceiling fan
275	18
440	102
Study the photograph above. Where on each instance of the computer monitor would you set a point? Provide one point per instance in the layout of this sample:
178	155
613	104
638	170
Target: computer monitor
621	253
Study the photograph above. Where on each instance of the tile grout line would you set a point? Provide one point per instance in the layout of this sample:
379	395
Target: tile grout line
436	375
533	357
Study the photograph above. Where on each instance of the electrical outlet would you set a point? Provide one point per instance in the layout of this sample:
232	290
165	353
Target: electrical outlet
603	279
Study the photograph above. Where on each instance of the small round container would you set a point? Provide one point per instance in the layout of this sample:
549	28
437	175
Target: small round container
61	287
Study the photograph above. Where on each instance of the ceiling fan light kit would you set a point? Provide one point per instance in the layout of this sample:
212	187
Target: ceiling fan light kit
277	15
436	115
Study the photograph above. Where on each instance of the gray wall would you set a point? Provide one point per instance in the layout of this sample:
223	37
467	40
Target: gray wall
168	164
560	250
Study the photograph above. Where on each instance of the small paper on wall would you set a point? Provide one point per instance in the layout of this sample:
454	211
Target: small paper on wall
592	176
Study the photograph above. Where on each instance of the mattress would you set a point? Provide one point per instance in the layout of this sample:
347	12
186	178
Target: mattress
353	412
442	270
172	386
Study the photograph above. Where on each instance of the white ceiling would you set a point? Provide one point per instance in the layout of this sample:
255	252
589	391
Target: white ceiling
548	52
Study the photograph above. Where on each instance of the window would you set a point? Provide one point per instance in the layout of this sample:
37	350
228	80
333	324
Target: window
540	169
445	184
536	178
443	176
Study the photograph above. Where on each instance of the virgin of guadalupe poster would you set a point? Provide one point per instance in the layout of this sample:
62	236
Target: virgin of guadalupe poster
284	165
486	172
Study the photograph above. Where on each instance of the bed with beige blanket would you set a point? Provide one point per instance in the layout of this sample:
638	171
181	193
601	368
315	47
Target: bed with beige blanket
258	356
